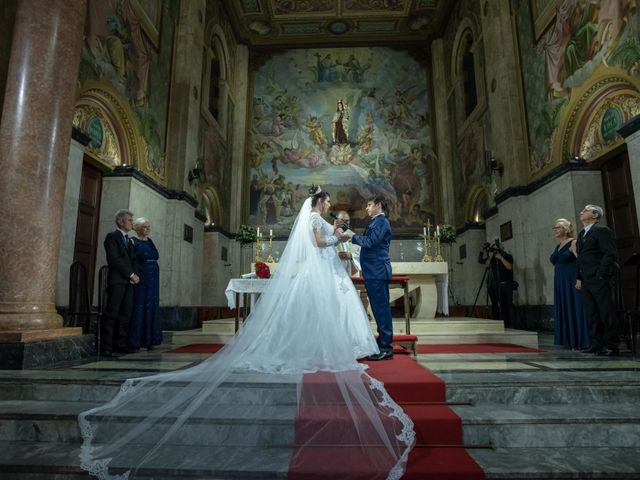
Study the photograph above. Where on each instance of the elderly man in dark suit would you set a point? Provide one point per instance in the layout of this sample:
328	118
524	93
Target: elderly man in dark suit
376	270
121	258
596	256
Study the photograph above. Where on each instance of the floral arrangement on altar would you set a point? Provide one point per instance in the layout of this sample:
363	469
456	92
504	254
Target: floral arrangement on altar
262	270
447	234
246	235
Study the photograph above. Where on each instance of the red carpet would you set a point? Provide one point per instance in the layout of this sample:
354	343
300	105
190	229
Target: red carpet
424	349
407	382
438	454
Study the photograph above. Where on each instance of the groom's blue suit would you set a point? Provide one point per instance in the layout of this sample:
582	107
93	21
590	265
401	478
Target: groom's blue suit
376	270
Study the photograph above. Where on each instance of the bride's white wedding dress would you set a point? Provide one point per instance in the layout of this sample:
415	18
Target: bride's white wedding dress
325	328
309	319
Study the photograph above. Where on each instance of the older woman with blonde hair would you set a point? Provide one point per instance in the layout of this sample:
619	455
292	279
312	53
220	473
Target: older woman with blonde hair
570	323
145	330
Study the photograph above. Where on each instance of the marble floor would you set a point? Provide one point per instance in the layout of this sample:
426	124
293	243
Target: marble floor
556	413
550	358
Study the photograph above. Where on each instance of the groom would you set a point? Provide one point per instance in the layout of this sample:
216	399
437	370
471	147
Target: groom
376	270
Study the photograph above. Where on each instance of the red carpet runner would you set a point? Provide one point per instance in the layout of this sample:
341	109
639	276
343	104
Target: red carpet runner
438	454
408	382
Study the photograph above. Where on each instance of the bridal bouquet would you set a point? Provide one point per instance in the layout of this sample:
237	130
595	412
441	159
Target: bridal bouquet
262	270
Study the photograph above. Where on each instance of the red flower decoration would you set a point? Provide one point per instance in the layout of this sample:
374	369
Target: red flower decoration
262	270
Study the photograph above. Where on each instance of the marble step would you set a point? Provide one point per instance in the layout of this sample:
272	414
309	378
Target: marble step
543	395
35	461
571	463
229	425
517	337
542	388
242	390
40	461
453	325
551	425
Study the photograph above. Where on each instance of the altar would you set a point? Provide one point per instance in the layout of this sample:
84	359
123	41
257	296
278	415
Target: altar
429	281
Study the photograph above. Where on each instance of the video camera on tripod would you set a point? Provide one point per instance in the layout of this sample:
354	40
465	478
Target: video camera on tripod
493	248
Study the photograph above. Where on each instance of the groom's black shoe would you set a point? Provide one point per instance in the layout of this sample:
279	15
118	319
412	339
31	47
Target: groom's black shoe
381	356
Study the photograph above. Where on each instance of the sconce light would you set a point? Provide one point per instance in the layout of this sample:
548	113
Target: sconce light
577	160
493	165
196	173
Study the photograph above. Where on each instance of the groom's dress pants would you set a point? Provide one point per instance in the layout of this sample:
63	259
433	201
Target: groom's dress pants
378	291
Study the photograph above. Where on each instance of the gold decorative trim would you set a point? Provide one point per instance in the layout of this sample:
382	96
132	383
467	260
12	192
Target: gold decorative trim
584	103
108	152
104	102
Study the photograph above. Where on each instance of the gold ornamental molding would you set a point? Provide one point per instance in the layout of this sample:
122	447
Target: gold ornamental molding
116	139
596	111
104	146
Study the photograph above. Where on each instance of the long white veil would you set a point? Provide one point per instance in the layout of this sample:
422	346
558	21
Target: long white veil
285	395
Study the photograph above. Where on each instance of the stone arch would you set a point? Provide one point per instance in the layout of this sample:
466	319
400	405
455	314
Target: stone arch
478	202
106	117
465	44
217	73
211	202
597	109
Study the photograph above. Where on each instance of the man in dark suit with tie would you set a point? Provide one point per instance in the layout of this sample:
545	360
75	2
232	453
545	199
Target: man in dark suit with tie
596	255
121	259
376	270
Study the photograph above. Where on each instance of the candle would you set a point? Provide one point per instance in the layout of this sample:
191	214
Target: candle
437	230
424	231
258	231
429	230
270	233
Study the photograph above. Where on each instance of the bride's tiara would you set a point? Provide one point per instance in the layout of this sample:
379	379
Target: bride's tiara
314	190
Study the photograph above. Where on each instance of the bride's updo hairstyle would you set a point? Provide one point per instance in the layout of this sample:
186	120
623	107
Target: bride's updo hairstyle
316	193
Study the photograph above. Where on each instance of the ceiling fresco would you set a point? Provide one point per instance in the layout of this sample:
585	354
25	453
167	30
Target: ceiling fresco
305	23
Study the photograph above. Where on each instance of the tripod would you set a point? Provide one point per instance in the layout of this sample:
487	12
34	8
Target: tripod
484	276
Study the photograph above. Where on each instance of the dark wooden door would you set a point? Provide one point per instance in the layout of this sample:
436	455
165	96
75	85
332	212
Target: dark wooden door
621	218
88	218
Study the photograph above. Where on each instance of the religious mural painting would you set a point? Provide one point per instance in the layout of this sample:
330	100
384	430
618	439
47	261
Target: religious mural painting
123	49
356	121
583	38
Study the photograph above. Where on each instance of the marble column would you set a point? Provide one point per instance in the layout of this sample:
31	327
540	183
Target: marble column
183	146
239	162
35	135
505	99
443	131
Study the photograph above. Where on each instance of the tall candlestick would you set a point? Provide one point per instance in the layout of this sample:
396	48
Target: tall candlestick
258	245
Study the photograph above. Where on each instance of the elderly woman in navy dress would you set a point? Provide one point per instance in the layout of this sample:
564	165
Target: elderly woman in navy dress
570	322
146	330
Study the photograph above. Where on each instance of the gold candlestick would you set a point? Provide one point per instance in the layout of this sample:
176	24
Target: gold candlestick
438	256
258	247
426	237
427	243
270	257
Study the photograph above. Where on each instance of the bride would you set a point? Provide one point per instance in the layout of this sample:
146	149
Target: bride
286	389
